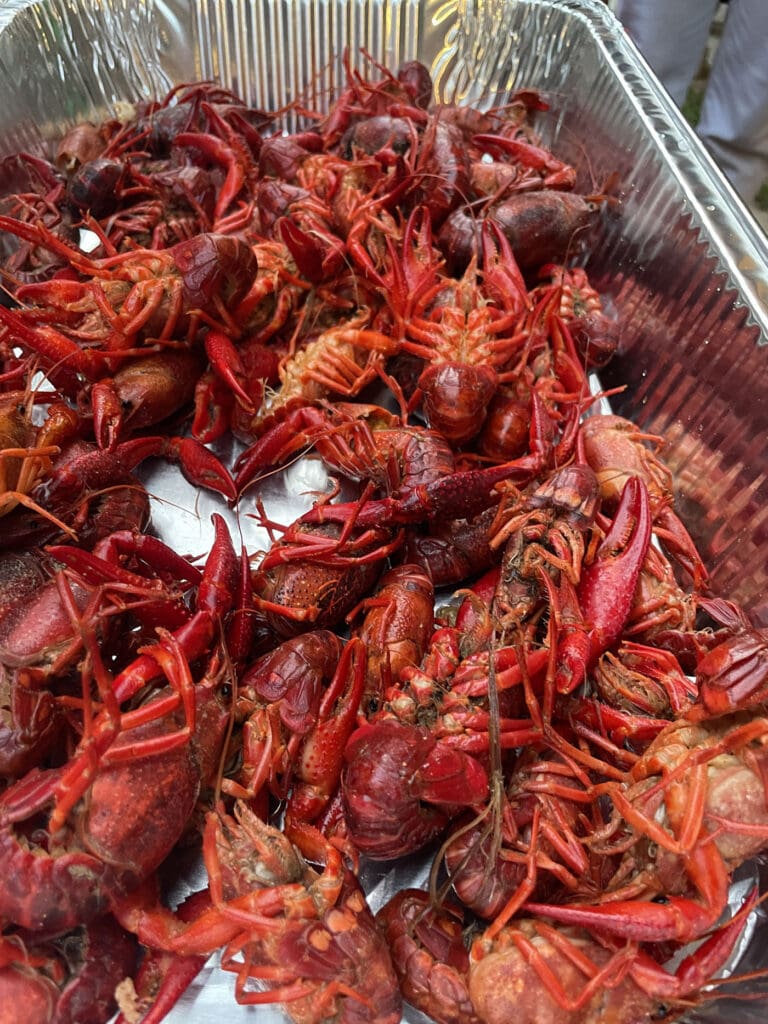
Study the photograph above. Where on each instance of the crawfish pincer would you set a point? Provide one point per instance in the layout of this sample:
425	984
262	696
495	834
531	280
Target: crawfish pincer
607	587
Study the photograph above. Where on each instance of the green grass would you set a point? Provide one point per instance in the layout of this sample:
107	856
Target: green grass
692	105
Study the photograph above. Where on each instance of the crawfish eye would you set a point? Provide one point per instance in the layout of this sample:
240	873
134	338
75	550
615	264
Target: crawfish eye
372	705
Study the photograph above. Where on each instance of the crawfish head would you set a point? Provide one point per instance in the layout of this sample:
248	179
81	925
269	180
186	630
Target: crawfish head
400	787
508	983
313	581
572	491
251	854
429	955
217	270
30	724
95	186
337	958
293	674
456	398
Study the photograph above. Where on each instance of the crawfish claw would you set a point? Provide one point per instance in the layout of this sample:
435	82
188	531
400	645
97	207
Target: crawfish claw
607	587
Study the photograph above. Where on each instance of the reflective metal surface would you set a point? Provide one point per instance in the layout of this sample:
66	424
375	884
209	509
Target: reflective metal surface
675	250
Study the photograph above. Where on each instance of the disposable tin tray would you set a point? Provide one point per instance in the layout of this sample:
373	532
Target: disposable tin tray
676	252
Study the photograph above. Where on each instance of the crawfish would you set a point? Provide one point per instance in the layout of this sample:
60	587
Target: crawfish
542	532
465	338
127	301
278	697
36	629
401	787
546	808
316	573
614	448
142	393
429	955
540	227
638	690
306	759
730	673
695	804
410	89
422	757
31	722
94	859
536	972
579	306
397	626
371	445
340	360
557	975
70	977
452	550
37	642
321	953
27	452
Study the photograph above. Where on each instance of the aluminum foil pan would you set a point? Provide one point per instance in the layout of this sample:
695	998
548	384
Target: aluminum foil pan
675	251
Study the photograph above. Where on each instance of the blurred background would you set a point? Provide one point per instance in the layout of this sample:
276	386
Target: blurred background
692	105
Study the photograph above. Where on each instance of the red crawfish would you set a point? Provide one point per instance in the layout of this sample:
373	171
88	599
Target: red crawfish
594	622
452	550
540	226
544	974
539	973
191	637
396	628
465	334
532	843
69	977
316	573
401	787
695	805
101	852
126	301
421	759
339	360
614	447
410	472
81	470
142	393
731	675
426	487
429	955
37	641
27	452
278	701
578	305
409	89
320	953
294	742
544	531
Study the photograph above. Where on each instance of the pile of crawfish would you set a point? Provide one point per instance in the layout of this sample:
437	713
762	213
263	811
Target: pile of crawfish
490	640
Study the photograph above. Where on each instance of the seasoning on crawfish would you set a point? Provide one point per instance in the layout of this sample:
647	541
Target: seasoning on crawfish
390	290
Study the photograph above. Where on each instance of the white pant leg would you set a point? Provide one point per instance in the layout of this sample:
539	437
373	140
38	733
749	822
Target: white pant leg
672	36
734	114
